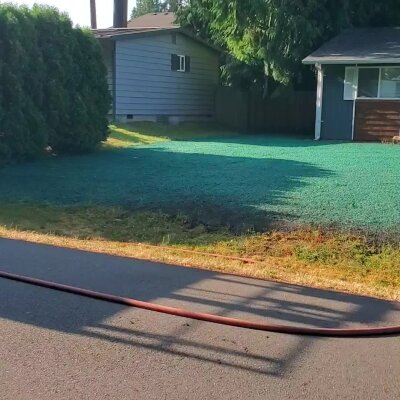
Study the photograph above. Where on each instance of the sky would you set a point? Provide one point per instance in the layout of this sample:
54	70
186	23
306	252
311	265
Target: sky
79	10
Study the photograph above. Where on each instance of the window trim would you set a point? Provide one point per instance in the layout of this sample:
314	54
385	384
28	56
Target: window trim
182	63
350	86
380	67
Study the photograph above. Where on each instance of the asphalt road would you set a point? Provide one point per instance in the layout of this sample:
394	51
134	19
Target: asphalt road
59	346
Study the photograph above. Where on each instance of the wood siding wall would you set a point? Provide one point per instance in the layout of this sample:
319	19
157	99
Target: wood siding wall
248	111
337	113
146	86
376	119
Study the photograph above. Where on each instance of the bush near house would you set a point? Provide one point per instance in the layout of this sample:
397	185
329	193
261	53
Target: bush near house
53	88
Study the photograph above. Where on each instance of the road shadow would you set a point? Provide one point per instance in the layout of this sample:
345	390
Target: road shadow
193	289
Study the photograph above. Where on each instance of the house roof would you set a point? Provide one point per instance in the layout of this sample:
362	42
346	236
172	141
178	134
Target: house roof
120	33
114	33
154	20
359	46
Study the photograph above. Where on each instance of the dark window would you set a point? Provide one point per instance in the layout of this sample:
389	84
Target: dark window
368	82
129	116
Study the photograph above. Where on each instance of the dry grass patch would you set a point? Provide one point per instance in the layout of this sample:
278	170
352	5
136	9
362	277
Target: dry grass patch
328	260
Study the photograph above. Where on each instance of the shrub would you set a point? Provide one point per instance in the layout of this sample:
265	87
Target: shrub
21	121
88	98
53	88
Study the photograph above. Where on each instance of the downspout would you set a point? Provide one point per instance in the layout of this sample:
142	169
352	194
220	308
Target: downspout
318	107
266	80
354	104
353	120
114	74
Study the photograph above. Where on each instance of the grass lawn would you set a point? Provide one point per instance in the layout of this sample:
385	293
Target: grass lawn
213	190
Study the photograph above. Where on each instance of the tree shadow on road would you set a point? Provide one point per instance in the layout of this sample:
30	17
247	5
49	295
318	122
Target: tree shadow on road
198	290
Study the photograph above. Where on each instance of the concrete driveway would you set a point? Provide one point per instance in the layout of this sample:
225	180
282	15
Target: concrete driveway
59	346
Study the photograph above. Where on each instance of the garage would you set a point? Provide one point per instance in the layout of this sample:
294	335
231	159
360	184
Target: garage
358	94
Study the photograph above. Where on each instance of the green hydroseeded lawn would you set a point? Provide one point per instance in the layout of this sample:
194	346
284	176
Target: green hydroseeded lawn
349	185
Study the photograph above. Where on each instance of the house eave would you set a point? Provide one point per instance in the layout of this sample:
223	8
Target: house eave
118	33
350	61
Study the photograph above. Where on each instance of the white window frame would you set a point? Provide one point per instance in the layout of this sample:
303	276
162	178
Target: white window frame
350	88
182	63
379	82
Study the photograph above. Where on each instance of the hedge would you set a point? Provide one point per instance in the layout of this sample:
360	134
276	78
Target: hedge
53	86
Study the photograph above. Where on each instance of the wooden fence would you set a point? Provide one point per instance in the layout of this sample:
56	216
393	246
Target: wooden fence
250	112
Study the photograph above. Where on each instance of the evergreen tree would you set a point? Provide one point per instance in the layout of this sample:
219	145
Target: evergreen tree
88	98
146	7
152	6
170	5
276	34
22	133
55	36
53	86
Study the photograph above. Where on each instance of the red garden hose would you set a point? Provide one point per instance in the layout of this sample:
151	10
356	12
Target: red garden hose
292	330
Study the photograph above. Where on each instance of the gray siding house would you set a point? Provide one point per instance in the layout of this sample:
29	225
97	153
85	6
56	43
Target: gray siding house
160	74
358	94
